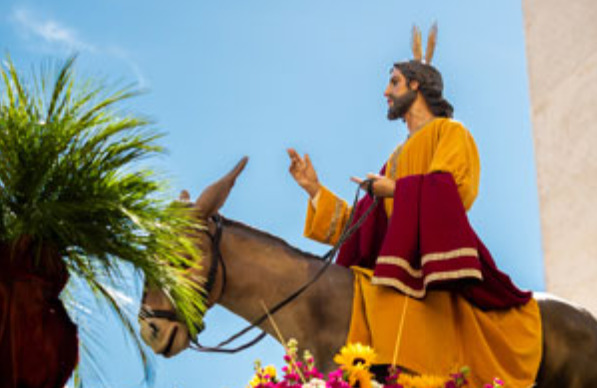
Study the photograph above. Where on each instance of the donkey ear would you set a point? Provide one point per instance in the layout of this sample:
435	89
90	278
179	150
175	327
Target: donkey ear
214	196
184	196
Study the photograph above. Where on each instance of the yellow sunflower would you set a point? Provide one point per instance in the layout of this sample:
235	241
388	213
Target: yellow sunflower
360	373
270	371
263	376
353	355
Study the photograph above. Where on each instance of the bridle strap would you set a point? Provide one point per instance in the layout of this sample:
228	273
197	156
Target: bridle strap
327	258
216	258
164	314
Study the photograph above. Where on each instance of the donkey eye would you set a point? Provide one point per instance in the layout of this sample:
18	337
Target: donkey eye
154	329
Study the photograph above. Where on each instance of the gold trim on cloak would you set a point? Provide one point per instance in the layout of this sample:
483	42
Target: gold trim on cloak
450	275
417	273
334	222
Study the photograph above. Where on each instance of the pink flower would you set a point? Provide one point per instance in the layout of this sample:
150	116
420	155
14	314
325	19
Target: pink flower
313	374
336	375
337	384
292	377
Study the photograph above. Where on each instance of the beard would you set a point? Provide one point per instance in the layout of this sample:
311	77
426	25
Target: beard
401	105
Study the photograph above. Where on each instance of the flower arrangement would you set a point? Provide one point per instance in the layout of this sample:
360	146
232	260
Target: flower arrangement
355	361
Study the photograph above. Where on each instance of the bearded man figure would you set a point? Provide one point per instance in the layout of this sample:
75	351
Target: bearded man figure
428	295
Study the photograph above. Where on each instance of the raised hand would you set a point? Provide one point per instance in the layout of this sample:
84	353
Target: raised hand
303	172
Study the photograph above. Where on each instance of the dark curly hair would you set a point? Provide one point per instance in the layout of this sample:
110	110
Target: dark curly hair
431	85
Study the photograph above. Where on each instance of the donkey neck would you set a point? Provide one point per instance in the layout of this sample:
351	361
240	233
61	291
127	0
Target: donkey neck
263	269
260	268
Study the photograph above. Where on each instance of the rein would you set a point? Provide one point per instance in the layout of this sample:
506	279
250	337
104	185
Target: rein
327	259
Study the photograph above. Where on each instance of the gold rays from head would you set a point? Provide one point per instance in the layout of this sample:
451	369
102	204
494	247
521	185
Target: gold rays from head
417	44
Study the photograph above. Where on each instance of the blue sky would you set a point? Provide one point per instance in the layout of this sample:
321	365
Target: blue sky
233	78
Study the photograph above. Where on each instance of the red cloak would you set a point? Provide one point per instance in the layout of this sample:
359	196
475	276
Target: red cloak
428	243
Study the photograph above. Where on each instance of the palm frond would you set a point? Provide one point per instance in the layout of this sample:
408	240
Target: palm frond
73	176
91	323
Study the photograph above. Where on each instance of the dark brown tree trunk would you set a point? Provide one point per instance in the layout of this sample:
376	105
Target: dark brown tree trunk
38	341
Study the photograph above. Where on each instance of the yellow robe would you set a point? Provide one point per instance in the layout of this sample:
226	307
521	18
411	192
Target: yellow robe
441	145
442	332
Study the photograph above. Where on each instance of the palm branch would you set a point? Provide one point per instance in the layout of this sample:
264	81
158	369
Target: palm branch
74	176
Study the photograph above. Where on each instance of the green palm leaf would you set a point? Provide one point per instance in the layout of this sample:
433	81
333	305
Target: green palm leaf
72	177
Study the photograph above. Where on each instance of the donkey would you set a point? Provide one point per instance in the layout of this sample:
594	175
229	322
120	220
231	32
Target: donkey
319	317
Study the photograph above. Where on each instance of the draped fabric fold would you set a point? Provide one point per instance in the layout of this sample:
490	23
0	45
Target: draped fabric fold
428	243
38	341
444	332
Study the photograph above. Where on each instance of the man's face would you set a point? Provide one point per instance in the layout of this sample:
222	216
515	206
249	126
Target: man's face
399	94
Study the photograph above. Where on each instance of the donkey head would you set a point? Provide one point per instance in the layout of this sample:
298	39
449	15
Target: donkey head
161	328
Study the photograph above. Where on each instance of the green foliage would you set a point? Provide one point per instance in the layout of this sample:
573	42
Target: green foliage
72	177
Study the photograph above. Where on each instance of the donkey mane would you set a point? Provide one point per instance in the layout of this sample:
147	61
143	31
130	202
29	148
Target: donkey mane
271	237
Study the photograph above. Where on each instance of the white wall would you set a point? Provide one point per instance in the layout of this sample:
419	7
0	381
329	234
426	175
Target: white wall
561	41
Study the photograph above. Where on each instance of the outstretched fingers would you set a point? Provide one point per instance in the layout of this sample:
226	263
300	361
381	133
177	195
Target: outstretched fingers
308	163
296	162
294	156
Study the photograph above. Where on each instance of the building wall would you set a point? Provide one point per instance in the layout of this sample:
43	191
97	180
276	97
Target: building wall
561	41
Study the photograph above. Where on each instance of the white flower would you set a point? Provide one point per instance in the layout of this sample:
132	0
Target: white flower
315	383
375	384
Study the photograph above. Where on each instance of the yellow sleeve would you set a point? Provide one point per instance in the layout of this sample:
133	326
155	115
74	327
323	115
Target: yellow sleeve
325	221
457	154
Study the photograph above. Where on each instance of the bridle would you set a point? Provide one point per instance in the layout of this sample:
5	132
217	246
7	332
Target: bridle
206	291
217	259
